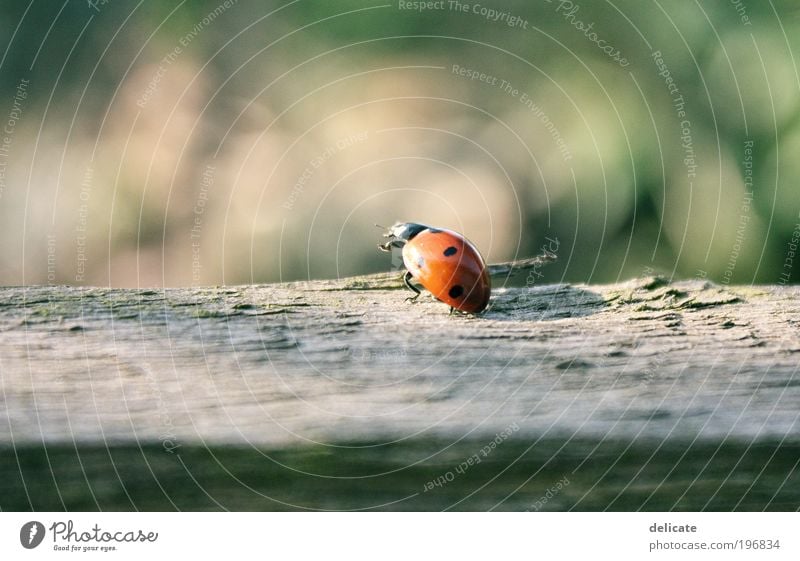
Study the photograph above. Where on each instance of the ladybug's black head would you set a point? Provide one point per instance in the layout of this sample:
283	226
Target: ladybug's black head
405	230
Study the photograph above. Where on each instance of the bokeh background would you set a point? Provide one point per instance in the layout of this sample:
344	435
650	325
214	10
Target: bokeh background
200	143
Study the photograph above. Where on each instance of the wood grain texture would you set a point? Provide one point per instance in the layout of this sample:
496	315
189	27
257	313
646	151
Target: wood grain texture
645	391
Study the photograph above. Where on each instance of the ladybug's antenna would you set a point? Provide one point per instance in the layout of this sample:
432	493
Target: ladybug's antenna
381	227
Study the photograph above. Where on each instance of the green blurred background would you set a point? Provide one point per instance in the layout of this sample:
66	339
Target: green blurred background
194	143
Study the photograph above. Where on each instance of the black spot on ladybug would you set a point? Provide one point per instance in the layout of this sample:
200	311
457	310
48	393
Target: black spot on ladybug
450	251
456	291
420	262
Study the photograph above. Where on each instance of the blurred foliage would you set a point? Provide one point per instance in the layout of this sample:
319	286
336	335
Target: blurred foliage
175	143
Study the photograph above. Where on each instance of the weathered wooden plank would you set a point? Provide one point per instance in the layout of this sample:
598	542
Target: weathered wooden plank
642	368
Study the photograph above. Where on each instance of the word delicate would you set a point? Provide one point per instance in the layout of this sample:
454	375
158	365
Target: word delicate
668	527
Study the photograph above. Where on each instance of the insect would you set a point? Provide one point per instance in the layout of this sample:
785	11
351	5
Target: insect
444	262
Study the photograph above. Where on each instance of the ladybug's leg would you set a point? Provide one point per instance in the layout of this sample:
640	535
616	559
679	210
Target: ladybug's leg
390	244
407	281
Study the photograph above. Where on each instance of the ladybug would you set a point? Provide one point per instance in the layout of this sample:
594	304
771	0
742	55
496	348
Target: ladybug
444	262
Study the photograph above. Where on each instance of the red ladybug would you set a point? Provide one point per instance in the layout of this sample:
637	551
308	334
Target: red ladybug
444	262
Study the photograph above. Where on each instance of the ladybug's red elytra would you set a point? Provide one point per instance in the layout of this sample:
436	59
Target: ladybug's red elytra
444	262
